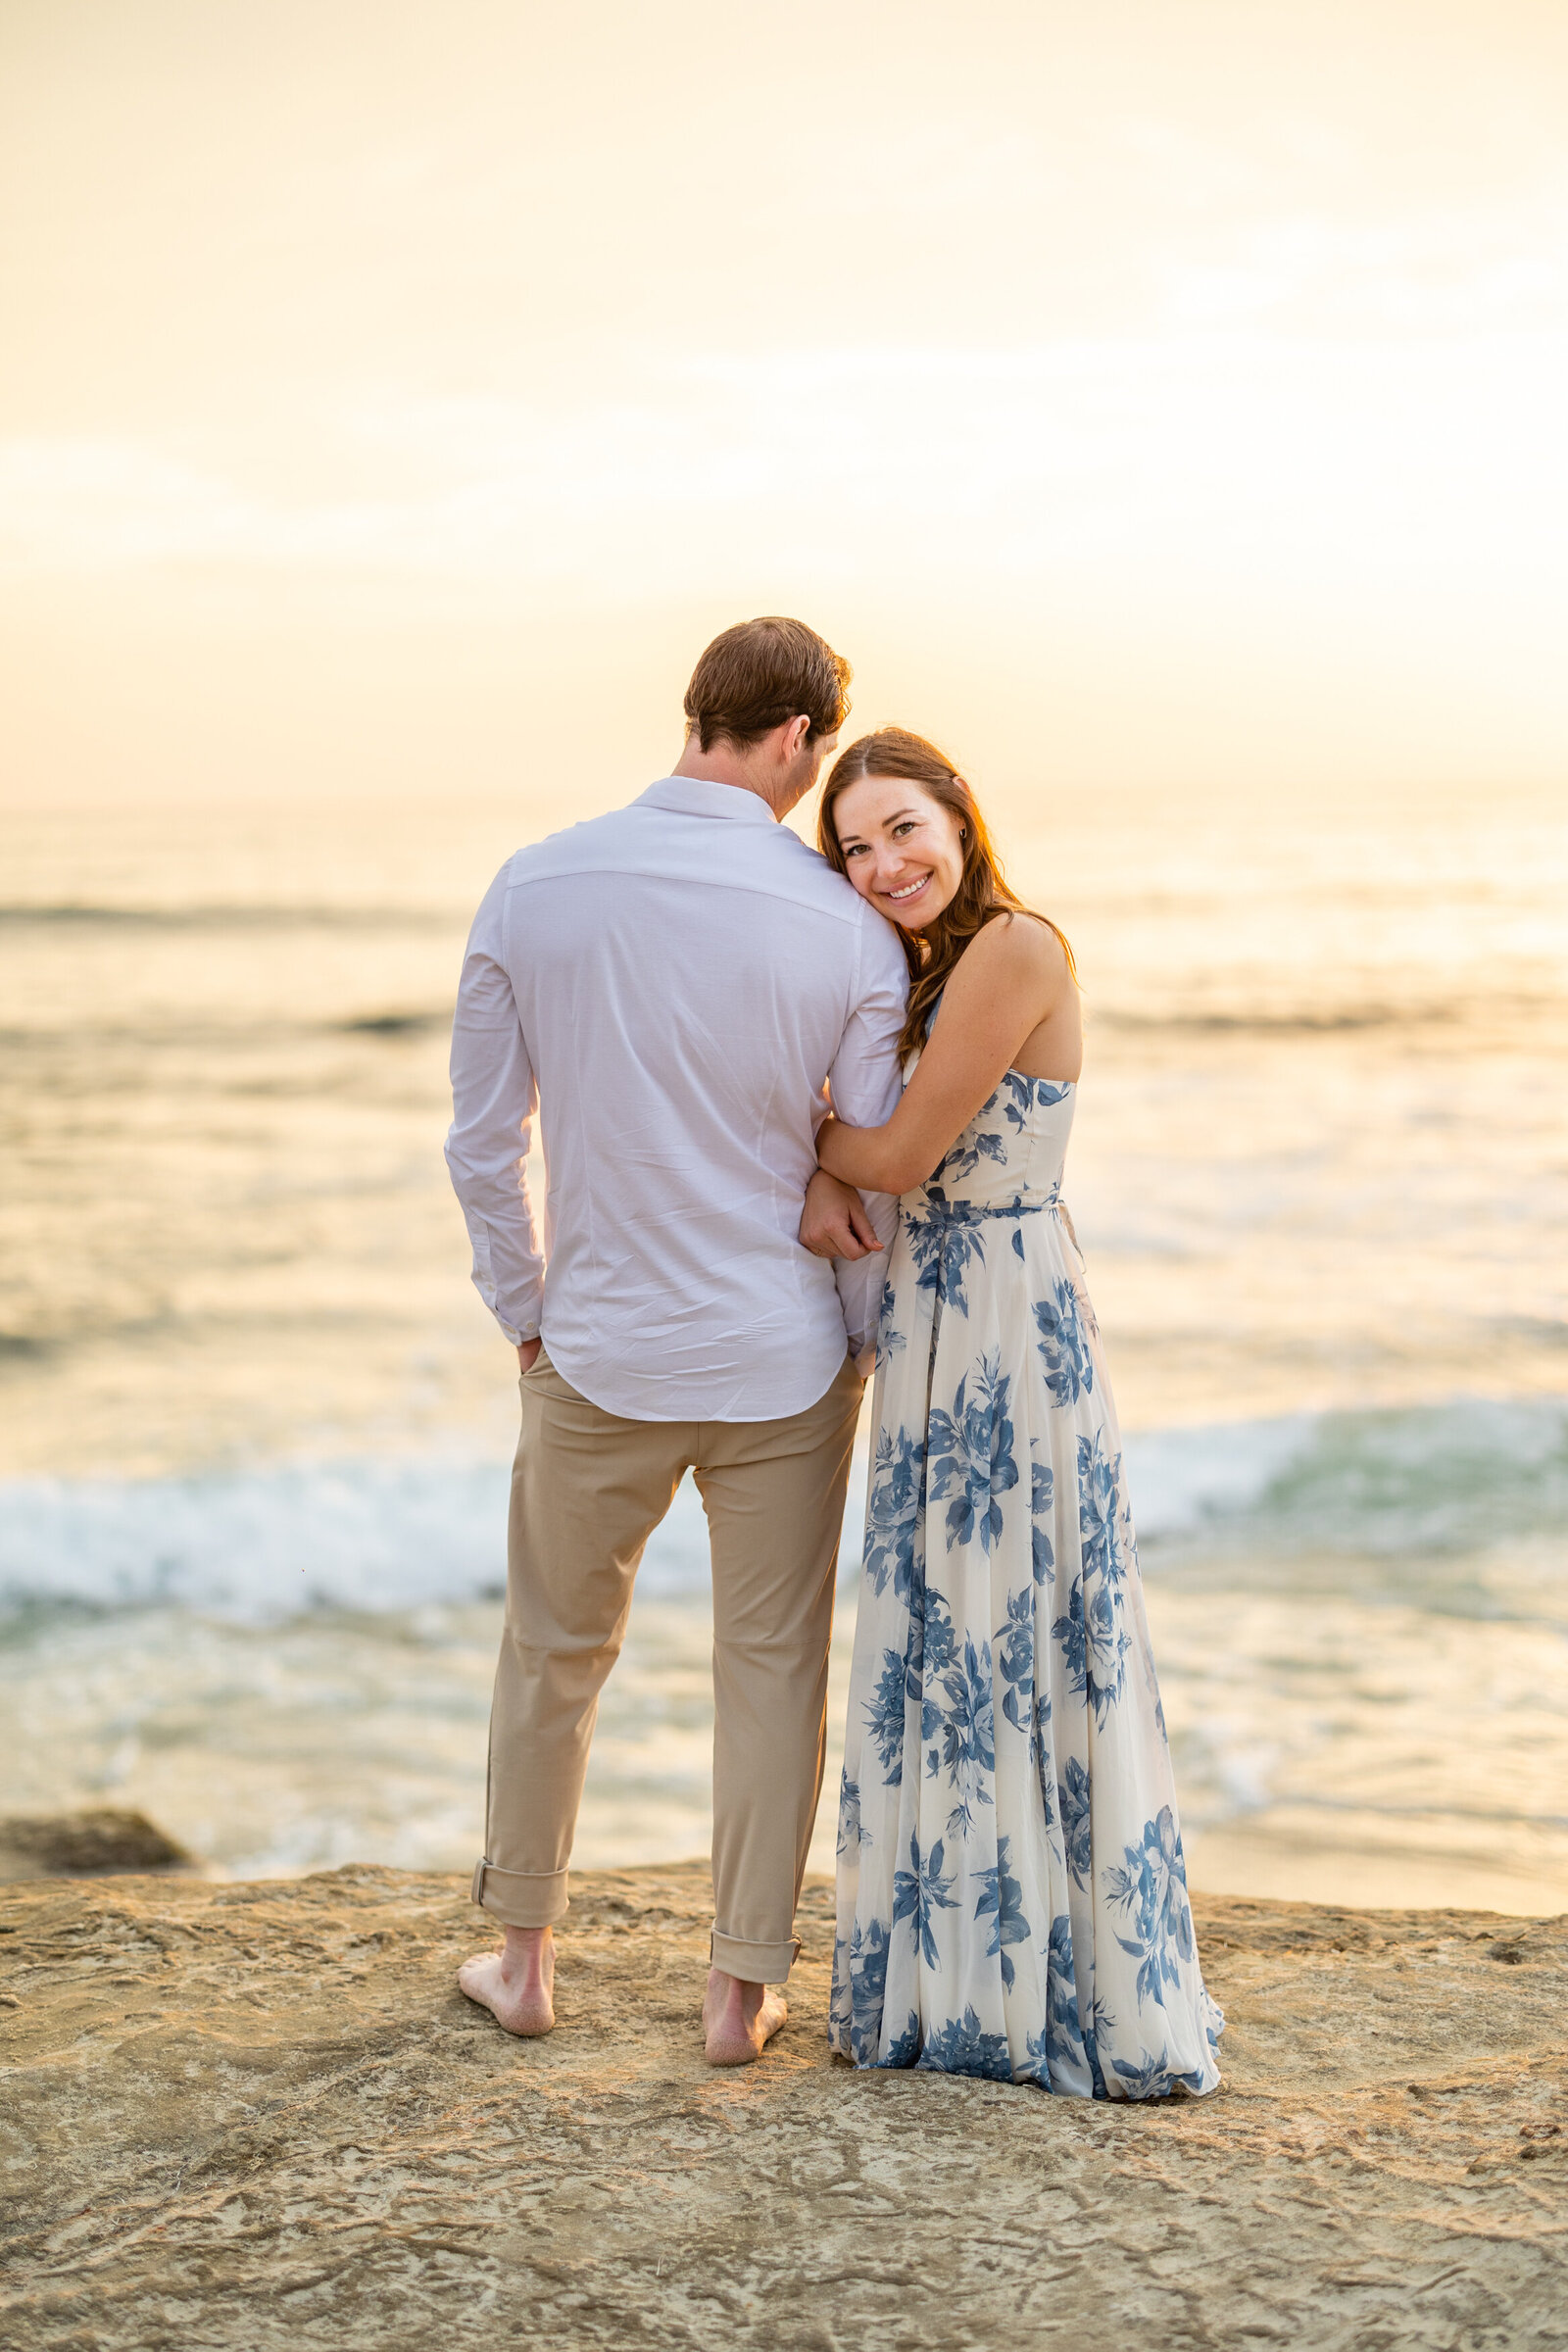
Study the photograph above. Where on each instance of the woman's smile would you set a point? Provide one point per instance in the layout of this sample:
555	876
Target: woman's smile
883	822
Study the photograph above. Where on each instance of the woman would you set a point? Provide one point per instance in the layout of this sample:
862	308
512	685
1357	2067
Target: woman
1011	1892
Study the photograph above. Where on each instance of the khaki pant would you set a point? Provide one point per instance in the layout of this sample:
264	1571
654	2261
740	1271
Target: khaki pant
588	1489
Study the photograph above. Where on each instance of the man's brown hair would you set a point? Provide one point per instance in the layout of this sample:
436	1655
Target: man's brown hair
761	674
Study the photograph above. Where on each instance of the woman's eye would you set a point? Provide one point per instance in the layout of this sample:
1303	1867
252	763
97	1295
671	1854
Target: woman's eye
906	825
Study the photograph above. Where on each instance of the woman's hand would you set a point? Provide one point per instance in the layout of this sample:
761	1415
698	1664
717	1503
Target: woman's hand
833	1219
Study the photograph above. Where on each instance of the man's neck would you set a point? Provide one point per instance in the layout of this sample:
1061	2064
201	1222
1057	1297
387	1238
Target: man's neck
724	763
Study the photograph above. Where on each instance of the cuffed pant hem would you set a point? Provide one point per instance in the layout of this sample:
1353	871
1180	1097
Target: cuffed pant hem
520	1899
754	1963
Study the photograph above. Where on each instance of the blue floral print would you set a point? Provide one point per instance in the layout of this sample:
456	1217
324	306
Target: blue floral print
867	1974
967	1739
894	1510
1099	1515
1042	1496
1152	1884
969	1456
1015	1660
968	1154
1150	2078
1011	1890
1061	2059
962	2046
1018	1095
1001	1901
918	1892
1064	1345
1094	1646
933	1647
1077	1821
904	2047
884	1715
889	1340
944	1245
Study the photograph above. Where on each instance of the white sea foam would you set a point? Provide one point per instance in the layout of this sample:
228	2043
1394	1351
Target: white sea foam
1183	1479
374	1534
366	1533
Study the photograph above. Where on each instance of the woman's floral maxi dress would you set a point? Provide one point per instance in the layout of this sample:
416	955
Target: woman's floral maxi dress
1011	1892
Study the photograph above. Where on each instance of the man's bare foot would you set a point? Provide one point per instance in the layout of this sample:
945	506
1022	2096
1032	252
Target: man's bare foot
739	2018
515	1984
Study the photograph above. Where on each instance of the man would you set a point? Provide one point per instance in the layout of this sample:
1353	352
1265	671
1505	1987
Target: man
671	989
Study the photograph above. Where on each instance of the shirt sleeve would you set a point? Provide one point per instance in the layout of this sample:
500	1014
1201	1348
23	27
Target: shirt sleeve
494	1104
865	1082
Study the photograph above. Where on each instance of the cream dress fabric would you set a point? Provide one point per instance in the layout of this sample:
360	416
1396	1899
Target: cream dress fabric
1011	1891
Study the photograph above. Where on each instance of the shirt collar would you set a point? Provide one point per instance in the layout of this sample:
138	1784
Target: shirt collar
691	796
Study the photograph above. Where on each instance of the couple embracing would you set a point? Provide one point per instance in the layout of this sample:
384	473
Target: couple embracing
796	1104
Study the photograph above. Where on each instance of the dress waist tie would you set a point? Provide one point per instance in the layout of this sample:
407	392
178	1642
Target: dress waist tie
945	1213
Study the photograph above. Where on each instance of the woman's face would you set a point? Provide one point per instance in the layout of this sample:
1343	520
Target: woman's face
902	849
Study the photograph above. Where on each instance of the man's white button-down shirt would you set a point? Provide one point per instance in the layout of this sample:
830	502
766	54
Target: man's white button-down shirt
669	990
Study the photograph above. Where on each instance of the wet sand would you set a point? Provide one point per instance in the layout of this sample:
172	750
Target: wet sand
256	2115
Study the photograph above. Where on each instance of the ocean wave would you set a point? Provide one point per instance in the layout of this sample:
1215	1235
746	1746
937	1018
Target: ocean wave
1292	1021
239	916
376	1534
1447	1479
1481	1006
61	1058
367	1535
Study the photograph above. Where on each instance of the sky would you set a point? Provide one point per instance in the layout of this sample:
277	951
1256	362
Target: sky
395	398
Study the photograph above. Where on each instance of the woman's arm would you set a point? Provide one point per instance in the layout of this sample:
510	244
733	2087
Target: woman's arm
1009	979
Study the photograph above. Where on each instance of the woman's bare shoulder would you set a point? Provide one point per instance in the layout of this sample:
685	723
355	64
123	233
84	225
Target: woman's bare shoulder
1016	947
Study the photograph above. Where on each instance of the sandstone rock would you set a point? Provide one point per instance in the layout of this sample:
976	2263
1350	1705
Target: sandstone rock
88	1845
253	2116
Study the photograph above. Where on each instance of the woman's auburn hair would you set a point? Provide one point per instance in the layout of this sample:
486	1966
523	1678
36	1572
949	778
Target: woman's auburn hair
982	894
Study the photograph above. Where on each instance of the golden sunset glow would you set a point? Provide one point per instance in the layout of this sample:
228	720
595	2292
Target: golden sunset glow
1099	1642
1156	395
1161	405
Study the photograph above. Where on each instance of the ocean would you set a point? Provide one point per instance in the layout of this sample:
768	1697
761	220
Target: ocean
255	1426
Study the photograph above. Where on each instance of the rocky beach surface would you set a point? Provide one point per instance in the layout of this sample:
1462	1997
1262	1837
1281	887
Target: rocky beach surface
261	2114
